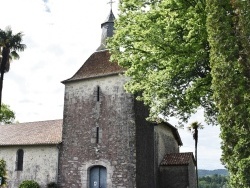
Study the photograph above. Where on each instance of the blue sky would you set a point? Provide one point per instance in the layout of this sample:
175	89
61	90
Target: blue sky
60	35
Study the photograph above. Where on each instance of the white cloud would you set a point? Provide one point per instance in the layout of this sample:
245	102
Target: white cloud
60	35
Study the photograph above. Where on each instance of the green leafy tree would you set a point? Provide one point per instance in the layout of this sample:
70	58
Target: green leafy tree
228	25
182	55
214	181
9	45
194	128
7	116
163	45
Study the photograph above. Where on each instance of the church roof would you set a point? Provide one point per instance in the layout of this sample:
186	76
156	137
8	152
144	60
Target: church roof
32	133
177	159
97	65
110	18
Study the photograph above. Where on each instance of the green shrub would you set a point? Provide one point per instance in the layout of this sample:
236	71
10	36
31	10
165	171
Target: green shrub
29	184
3	171
52	185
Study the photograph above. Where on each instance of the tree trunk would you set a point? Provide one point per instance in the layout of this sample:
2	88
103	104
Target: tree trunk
1	88
5	57
196	159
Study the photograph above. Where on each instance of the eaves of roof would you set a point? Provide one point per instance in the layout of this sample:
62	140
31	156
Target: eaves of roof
178	159
97	65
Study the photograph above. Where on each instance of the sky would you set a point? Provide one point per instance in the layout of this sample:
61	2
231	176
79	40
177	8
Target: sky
60	35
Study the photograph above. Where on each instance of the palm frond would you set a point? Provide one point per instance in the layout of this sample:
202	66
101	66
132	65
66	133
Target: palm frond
11	43
14	55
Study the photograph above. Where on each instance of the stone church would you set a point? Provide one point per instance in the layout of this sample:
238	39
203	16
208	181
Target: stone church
103	140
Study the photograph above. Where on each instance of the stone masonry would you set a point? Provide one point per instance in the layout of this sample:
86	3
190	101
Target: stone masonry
112	113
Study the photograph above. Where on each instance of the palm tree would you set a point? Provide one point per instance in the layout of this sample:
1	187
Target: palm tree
9	45
193	127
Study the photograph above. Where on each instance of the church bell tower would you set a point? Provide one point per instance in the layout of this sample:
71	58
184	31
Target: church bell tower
98	147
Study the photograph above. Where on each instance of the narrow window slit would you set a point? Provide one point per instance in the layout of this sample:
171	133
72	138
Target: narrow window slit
98	93
97	135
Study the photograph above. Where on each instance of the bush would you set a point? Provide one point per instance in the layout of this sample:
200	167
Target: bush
29	184
3	171
52	185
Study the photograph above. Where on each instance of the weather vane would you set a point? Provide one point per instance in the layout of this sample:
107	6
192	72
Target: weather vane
111	2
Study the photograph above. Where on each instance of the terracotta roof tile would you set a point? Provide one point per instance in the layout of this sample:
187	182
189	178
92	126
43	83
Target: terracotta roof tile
31	133
177	159
97	65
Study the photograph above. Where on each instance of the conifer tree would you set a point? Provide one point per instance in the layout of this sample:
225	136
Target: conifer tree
228	26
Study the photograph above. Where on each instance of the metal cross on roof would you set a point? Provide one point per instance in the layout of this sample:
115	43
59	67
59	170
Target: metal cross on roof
111	2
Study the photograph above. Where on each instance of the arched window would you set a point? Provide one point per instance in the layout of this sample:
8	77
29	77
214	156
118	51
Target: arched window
19	160
98	177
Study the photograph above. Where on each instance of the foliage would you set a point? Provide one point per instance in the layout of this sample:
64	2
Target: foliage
52	185
214	181
221	172
29	184
3	171
228	25
9	45
7	116
163	45
193	127
181	55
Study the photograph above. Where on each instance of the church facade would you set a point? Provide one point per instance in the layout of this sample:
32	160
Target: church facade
106	141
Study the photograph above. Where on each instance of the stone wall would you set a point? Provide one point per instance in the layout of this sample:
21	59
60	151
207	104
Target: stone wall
192	175
40	163
182	176
173	177
145	149
165	142
98	109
